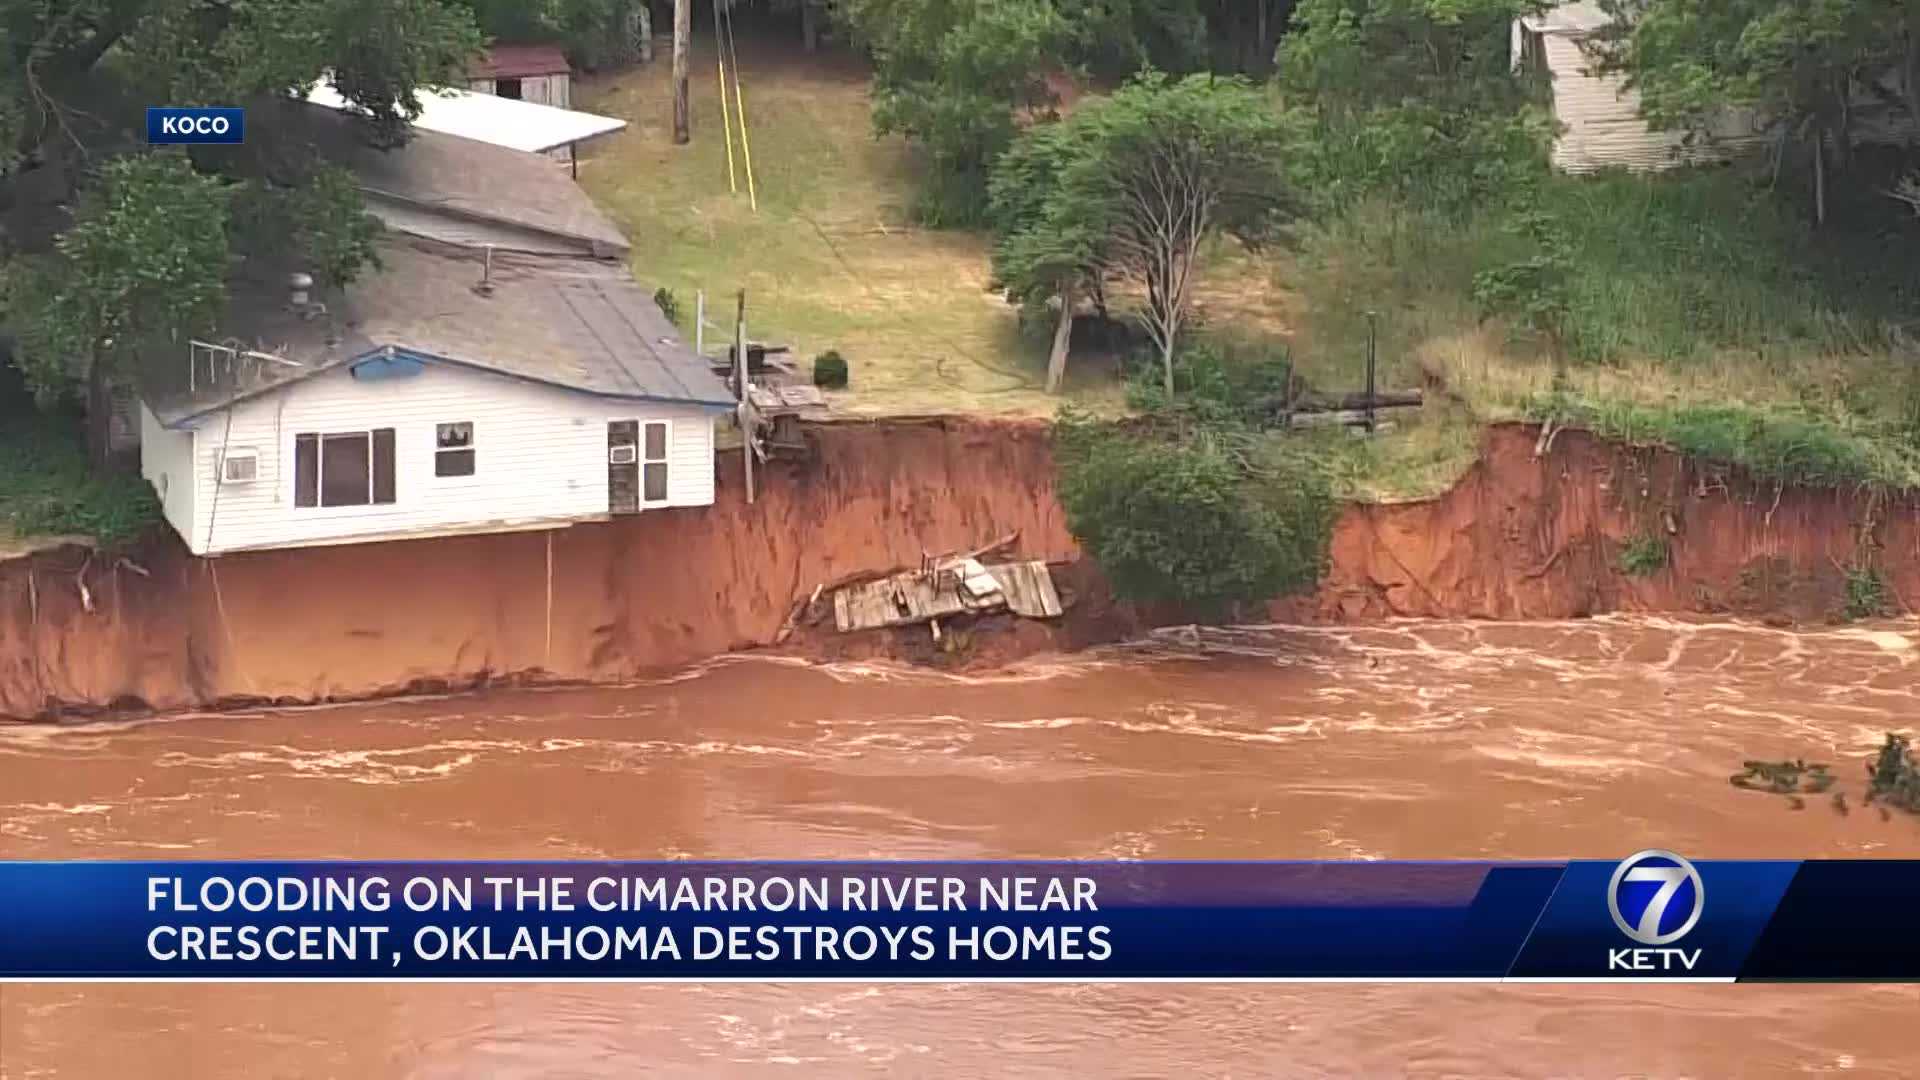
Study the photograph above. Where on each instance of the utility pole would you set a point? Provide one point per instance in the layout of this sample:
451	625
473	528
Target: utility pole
747	419
1371	392
682	103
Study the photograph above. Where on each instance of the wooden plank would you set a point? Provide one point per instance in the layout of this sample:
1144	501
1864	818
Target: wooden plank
903	599
1029	589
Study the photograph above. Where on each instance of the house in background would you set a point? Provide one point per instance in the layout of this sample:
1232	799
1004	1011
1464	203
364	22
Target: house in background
500	371
1599	114
536	73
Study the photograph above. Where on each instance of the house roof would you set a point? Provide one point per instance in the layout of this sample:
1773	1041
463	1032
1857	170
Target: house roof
518	125
464	179
520	61
1574	19
576	324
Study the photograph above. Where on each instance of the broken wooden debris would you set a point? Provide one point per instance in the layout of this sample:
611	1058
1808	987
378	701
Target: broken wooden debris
950	586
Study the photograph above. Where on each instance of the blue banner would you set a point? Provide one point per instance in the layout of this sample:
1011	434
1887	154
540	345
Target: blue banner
1655	915
171	125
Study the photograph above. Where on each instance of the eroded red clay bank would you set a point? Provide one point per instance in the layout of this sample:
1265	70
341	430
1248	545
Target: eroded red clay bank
1522	535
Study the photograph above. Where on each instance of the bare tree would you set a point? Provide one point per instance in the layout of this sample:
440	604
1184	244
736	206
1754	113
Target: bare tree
1164	166
1168	201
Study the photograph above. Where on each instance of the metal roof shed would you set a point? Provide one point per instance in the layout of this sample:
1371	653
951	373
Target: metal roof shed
518	125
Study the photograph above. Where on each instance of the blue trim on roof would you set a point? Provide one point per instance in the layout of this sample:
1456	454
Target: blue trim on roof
716	403
385	366
390	353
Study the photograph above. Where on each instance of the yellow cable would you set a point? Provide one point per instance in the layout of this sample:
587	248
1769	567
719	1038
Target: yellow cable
732	184
746	148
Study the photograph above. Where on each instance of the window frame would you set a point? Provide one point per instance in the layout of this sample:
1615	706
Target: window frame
665	461
373	439
471	450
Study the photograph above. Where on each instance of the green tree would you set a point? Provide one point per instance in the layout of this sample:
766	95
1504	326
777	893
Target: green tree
144	258
593	32
321	215
145	261
1805	66
1416	99
1139	182
1188	522
954	76
1043	250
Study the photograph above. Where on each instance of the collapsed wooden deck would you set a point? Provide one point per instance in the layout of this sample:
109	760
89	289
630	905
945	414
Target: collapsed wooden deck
952	587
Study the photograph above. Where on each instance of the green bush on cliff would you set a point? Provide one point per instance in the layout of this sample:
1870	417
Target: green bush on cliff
47	488
1203	521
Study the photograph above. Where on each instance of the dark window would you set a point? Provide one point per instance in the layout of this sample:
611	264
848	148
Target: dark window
653	463
345	476
453	450
383	465
306	470
350	469
508	88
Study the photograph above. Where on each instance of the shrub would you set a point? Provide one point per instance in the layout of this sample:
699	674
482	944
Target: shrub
47	488
1643	555
668	304
1892	777
1197	523
830	370
1866	593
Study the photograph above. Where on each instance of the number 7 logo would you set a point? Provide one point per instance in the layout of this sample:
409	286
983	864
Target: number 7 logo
1671	872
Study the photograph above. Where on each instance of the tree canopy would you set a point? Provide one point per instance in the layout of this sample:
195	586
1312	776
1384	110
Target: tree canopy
961	77
1810	68
1413	98
1190	522
1130	188
142	256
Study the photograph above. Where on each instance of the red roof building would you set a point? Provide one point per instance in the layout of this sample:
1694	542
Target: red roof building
521	62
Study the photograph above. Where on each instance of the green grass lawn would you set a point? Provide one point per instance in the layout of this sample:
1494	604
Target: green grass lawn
829	259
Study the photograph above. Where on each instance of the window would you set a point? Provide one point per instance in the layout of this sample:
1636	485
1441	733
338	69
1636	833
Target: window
239	465
453	449
653	462
352	468
508	88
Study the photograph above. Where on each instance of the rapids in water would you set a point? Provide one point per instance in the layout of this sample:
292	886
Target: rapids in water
1409	740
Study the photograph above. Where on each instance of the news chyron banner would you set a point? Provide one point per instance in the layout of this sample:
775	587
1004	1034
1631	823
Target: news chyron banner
1654	915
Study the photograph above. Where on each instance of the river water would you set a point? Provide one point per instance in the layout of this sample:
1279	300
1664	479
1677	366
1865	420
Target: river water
1593	738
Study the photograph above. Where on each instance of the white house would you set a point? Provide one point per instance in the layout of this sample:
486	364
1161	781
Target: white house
1599	114
501	371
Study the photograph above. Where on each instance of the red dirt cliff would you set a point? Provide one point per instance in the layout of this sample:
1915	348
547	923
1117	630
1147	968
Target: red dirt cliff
1519	536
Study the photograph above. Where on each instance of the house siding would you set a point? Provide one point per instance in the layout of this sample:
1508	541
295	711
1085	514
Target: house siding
541	457
166	461
1602	127
1602	124
555	90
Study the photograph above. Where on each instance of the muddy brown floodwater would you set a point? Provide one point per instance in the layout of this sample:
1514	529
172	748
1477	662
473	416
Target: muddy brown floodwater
1593	738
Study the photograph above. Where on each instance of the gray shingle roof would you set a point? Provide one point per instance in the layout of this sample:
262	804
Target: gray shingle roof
462	179
556	312
577	324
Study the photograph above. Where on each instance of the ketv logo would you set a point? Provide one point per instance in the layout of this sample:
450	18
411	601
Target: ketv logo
1656	899
167	126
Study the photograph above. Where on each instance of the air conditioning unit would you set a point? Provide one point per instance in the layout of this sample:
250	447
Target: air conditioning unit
239	466
622	455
